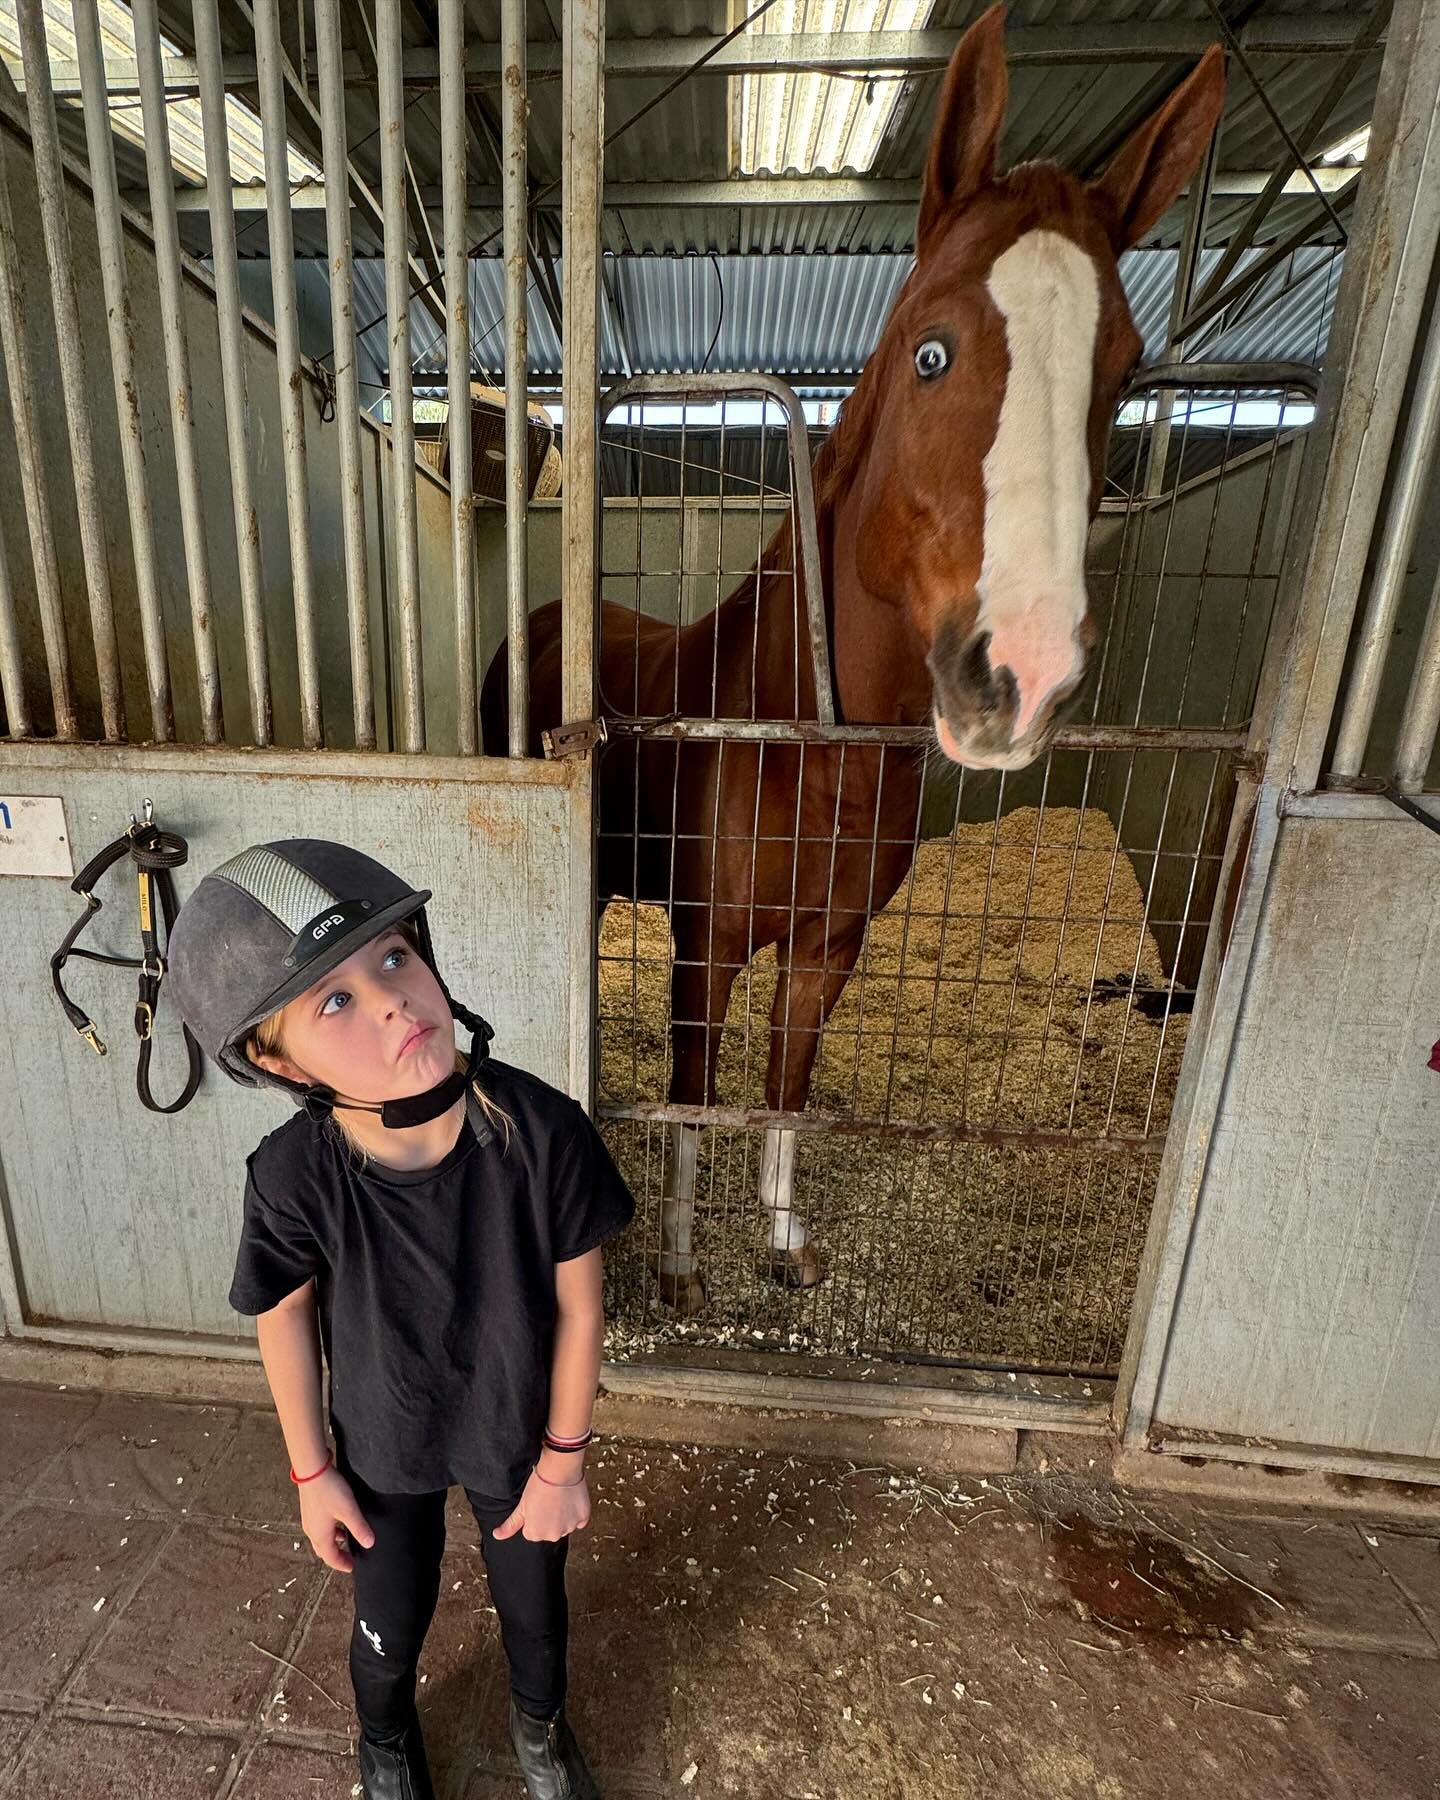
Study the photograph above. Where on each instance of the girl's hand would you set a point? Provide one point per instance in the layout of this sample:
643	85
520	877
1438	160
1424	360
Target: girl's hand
328	1510
547	1513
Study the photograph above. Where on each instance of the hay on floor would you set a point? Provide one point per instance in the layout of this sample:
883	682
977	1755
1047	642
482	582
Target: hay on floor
975	1000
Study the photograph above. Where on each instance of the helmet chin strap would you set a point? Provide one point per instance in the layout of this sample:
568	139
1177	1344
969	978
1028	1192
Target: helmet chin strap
412	1109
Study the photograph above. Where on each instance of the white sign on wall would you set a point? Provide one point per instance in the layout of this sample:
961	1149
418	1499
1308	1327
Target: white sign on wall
33	838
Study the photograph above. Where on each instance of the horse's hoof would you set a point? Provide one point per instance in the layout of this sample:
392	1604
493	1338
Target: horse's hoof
682	1294
800	1268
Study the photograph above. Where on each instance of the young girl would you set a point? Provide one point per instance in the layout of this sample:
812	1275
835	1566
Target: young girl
434	1225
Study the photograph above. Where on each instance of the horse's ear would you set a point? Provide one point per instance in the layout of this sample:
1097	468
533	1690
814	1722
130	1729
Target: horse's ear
967	122
1148	171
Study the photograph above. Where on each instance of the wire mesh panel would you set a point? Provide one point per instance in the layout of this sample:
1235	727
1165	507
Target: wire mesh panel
888	1047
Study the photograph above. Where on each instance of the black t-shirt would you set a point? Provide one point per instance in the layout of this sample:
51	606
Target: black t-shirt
435	1287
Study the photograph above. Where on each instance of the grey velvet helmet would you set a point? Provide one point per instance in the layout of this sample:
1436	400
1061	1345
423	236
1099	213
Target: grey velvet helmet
270	923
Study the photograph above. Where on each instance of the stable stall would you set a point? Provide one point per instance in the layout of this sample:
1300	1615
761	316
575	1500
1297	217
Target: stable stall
1122	1116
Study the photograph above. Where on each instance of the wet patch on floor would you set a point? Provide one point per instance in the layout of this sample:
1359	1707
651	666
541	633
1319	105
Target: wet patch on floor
1147	1587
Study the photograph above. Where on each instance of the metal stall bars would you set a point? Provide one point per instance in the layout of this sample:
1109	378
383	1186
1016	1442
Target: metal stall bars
990	1100
515	249
109	232
330	71
232	369
161	180
457	316
36	495
55	227
402	401
270	79
178	278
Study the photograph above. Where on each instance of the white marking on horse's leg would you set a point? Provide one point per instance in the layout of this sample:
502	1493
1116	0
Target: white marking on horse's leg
1037	471
777	1189
677	1207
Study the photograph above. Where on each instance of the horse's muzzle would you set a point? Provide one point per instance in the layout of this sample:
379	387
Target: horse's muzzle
976	705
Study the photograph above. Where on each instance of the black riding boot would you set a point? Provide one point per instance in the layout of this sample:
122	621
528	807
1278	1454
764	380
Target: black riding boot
549	1757
396	1769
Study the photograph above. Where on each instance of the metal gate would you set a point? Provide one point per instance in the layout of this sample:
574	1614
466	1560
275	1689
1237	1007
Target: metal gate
977	1158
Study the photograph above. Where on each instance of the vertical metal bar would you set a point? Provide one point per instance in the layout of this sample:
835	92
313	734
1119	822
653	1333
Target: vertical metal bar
161	178
1382	295
1187	267
270	79
1407	497
55	227
457	317
1419	722
33	489
402	398
342	336
514	122
232	368
583	64
110	237
582	56
18	720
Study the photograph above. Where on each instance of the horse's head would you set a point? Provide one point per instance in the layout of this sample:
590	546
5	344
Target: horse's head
991	397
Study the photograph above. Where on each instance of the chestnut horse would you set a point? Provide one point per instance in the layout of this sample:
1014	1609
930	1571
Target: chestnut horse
952	502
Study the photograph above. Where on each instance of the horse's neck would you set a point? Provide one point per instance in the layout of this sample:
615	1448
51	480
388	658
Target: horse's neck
881	677
755	644
751	656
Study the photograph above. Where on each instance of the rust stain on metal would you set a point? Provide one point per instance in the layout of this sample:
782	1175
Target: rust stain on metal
500	832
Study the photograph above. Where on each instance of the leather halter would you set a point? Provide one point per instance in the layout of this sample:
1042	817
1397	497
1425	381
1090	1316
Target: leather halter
155	854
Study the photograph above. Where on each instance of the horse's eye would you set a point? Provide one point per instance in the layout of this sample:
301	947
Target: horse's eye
931	359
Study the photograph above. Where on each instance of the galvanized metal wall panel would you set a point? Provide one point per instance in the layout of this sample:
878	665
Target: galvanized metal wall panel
121	1219
1309	1308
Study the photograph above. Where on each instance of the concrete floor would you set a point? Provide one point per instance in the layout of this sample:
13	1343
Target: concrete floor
745	1623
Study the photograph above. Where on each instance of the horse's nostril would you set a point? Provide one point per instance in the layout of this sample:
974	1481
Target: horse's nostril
975	661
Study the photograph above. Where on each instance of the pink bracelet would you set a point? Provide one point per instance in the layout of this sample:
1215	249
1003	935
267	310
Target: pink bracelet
556	1484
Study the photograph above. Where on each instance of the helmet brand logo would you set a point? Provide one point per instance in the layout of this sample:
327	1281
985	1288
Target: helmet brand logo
320	936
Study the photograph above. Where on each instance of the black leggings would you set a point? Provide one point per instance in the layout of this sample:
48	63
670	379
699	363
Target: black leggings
397	1582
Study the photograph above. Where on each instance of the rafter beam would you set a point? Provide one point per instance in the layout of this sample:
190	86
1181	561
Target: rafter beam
840	52
751	191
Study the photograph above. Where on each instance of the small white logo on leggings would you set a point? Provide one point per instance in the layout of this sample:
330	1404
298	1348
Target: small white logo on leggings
374	1637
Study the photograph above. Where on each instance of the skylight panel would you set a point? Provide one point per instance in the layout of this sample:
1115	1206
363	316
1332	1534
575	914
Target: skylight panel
813	123
187	136
1350	149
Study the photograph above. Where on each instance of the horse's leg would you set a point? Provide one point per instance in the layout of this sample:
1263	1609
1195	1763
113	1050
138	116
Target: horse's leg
813	974
699	996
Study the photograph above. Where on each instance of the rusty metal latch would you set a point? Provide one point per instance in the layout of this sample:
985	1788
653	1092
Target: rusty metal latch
575	739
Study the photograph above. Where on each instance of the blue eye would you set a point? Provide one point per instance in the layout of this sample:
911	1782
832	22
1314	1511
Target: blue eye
341	995
394	958
931	359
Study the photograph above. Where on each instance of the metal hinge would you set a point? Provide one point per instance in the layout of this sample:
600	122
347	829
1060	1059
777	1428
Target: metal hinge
576	739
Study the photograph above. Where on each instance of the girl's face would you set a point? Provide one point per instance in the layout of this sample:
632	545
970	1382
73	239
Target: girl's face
376	1028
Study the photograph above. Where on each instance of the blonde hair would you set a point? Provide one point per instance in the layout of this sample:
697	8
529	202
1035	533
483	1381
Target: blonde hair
267	1039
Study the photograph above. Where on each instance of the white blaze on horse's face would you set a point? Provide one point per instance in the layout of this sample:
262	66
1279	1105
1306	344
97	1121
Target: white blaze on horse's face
1032	597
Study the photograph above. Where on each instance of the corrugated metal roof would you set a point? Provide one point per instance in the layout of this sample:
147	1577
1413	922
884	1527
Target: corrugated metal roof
809	316
806	286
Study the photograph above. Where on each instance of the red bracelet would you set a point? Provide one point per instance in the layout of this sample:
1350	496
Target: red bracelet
560	1484
300	1480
